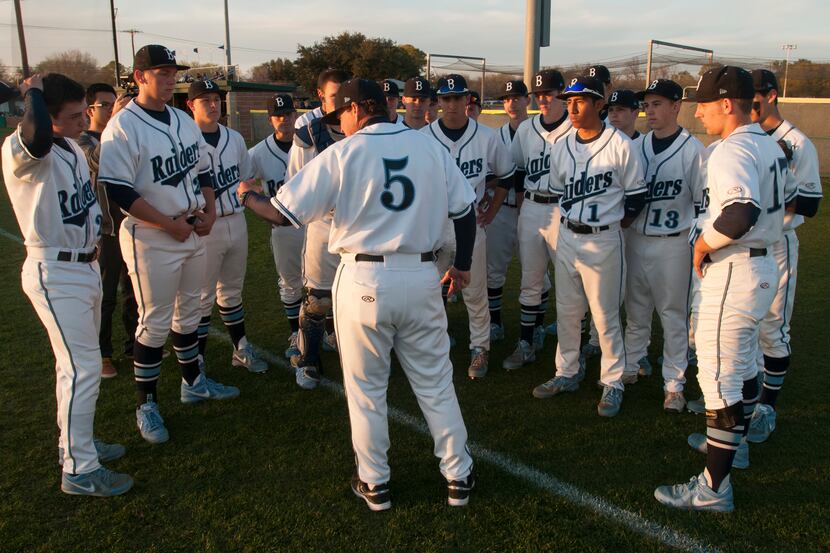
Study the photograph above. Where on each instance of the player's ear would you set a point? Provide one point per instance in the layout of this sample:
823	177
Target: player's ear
772	96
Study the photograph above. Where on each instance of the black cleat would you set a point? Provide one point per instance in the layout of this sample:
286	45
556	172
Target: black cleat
376	497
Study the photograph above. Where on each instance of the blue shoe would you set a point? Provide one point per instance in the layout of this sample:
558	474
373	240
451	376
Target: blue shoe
106	452
551	329
150	423
644	367
589	350
538	338
98	483
248	358
496	332
204	388
293	350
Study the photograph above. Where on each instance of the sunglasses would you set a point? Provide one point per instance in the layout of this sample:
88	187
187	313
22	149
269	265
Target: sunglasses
105	105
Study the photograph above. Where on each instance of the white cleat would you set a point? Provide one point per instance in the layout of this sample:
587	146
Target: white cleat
696	495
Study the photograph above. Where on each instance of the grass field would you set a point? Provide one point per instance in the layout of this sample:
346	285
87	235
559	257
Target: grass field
270	471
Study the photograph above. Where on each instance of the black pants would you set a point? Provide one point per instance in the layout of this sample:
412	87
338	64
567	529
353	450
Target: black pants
114	270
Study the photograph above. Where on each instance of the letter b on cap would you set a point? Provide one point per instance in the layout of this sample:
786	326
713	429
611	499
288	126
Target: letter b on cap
451	83
509	86
280	102
538	80
419	85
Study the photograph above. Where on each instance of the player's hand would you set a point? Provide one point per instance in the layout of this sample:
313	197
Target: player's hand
179	228
702	249
204	222
247	186
484	218
120	103
34	81
458	280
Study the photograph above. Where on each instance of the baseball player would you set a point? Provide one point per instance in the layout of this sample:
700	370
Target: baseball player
319	264
604	75
775	327
155	163
386	291
623	109
49	186
474	107
393	97
741	219
538	224
599	179
416	100
226	247
101	101
328	82
656	244
270	160
476	149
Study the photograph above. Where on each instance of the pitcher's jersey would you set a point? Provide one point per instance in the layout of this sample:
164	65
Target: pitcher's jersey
531	151
593	179
52	196
393	189
747	167
803	167
477	152
673	179
269	164
161	162
230	164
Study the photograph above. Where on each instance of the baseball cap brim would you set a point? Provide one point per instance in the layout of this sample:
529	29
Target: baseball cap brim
333	118
159	66
580	90
446	91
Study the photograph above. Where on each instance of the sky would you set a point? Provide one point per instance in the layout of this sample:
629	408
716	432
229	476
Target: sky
581	31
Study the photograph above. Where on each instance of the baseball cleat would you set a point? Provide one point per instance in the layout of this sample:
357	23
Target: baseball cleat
762	423
674	402
329	342
377	497
478	363
696	495
108	370
307	377
106	452
610	403
589	350
205	388
555	386
293	350
458	491
247	357
150	424
496	332
697	406
645	367
101	482
697	441
551	329
523	355
538	338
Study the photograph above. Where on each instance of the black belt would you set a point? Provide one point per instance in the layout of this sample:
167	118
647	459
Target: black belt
65	255
540	199
672	235
579	228
426	256
757	252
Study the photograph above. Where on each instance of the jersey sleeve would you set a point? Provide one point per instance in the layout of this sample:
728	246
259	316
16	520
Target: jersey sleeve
516	152
22	162
696	170
312	193
460	195
499	160
734	175
246	164
633	180
806	170
118	164
556	175
256	169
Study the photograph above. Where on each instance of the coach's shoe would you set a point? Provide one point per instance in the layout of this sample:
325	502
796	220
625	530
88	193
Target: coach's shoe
377	497
645	367
674	402
293	348
247	357
610	403
523	355
101	482
307	377
589	350
696	495
106	452
551	329
458	491
496	332
556	385
205	388
150	423
108	370
478	363
697	441
762	423
697	406
538	338
329	341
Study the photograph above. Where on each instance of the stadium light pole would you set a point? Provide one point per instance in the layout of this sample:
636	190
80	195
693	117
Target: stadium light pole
789	48
537	34
227	40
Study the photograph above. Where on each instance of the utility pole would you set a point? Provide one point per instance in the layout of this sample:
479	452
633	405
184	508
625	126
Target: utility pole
115	45
227	39
789	48
132	38
537	34
24	58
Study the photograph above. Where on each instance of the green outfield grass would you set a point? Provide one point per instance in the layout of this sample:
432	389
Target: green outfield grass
270	471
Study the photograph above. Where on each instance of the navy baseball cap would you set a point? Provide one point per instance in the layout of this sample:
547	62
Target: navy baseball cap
390	88
725	82
764	80
625	98
354	91
584	86
281	104
548	79
417	87
198	88
513	88
475	98
666	88
599	72
154	56
452	85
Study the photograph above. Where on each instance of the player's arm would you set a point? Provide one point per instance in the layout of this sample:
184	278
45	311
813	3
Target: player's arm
207	216
36	127
634	186
504	168
809	189
460	200
261	206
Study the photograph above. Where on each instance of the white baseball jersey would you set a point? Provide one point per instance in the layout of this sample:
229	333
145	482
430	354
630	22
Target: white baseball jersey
380	220
594	178
803	167
507	140
739	170
230	164
161	162
269	164
673	178
306	117
637	141
52	196
531	151
478	151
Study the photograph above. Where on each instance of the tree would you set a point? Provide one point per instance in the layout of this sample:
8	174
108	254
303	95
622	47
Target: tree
108	72
278	70
77	65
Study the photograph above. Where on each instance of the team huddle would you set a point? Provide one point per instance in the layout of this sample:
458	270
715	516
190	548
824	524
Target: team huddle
379	220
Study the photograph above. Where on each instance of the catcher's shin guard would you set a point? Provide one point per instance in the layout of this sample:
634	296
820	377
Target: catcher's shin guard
312	325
